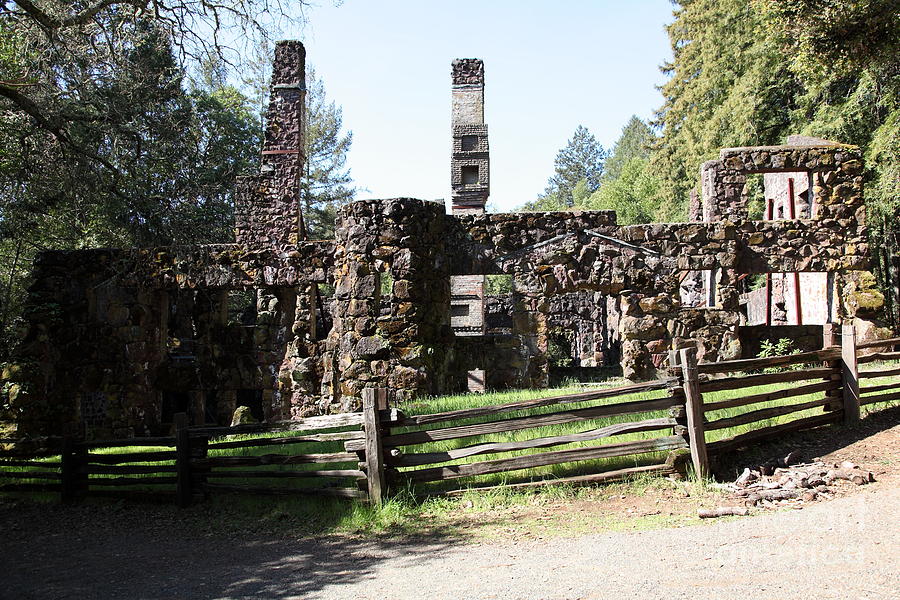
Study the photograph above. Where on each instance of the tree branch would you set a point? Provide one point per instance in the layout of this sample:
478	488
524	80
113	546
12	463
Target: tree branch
85	16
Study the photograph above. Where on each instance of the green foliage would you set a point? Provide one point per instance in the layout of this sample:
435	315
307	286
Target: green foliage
385	284
636	142
559	351
577	170
634	195
327	184
782	347
751	73
729	85
498	285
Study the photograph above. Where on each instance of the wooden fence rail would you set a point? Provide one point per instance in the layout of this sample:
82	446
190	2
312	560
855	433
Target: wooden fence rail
381	447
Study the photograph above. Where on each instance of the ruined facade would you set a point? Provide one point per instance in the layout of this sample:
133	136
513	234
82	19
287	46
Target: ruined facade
119	340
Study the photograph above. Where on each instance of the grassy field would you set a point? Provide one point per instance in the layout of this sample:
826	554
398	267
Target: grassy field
325	514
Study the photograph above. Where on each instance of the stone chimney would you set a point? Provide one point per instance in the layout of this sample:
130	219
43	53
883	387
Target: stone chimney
267	207
469	161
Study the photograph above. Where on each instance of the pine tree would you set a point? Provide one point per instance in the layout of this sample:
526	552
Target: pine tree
579	162
328	182
636	141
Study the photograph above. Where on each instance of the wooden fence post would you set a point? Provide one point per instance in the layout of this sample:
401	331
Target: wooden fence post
374	448
183	459
829	336
694	408
69	470
849	374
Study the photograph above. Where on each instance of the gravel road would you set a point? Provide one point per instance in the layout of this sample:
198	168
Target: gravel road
845	548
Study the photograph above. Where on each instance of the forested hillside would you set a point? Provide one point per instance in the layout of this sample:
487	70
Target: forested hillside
752	73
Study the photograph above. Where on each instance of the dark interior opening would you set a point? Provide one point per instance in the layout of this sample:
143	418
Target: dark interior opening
211	407
253	400
174	403
470	175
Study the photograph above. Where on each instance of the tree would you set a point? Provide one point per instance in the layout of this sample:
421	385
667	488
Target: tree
173	156
633	194
53	52
636	141
750	73
628	185
327	181
729	85
581	160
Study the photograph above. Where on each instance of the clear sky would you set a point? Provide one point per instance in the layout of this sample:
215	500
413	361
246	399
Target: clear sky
549	66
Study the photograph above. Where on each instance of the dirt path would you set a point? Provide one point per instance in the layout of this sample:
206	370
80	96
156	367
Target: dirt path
848	547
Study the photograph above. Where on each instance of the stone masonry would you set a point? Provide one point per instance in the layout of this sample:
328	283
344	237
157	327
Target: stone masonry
119	339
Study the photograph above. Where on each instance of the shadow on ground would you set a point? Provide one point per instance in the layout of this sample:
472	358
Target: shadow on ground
811	443
146	552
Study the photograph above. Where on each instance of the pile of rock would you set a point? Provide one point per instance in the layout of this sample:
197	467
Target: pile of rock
794	481
787	481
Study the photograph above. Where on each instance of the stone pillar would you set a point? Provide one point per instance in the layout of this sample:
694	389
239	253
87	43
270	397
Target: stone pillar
267	206
530	308
470	182
470	160
396	337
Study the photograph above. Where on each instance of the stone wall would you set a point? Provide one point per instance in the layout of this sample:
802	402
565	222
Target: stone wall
118	339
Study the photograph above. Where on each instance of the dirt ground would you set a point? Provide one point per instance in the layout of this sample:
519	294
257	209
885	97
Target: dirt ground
617	541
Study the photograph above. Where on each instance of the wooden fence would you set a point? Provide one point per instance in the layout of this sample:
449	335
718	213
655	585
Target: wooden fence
379	448
831	376
401	438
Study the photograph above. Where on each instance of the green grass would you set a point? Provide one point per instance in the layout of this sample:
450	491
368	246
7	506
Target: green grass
407	511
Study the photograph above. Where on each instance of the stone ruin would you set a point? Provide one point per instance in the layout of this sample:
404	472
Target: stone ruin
119	340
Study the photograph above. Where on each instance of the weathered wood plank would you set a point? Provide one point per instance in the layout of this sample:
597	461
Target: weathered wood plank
660	469
129	469
55	464
183	490
546	458
694	410
29	475
765	413
482	411
159	495
123	481
30	487
29	453
745	381
283	441
850	373
751	364
246	489
272	459
372	401
881	398
307	424
136	441
130	457
341	473
871	389
881	373
516	423
775	431
878	343
800	390
878	356
426	458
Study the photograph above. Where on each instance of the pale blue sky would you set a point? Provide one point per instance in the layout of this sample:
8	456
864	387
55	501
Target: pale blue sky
549	66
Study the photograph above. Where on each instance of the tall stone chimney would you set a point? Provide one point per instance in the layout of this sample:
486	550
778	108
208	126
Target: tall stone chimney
469	162
267	207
